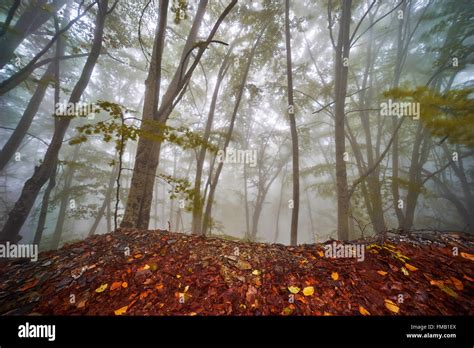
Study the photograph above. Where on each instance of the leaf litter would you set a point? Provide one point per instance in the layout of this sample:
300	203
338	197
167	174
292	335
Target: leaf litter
195	275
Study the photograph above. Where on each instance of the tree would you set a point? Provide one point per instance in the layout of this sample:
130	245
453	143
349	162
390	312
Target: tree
340	90
294	133
43	172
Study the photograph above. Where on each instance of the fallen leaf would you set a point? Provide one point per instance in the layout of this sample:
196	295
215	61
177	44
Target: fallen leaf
115	285
82	304
145	267
287	311
159	286
335	276
256	272
382	273
243	265
404	271
467	256
137	256
29	285
320	253
391	306
143	295
308	291
468	278
363	311
410	267
457	284
101	288
449	291
121	311
327	314
294	289
124	285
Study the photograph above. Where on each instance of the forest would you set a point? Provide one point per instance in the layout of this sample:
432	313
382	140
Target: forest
224	157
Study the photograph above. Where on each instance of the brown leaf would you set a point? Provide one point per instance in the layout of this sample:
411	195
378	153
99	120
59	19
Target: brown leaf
29	285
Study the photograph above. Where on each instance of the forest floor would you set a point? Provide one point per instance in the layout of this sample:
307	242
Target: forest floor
133	272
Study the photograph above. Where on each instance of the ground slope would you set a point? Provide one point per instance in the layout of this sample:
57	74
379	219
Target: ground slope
132	272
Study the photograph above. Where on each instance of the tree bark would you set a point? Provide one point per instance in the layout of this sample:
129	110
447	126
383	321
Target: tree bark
138	207
342	55
294	133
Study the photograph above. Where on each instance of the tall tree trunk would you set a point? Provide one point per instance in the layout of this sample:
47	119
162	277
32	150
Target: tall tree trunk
106	201
43	172
140	196
341	67
294	133
198	200
52	180
64	202
137	210
210	200
282	186
44	208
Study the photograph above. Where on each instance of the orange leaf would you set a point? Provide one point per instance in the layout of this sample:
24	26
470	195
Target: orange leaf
468	256
410	267
363	311
320	253
143	295
335	276
159	286
115	285
29	285
382	273
457	284
124	285
437	282
468	278
391	306
137	256
121	311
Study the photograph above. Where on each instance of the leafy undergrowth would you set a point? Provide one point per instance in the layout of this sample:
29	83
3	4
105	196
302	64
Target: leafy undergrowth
176	274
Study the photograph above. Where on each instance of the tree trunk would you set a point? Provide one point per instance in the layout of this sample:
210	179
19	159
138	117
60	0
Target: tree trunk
106	201
294	133
68	177
207	214
137	211
198	199
140	196
44	208
342	55
43	172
